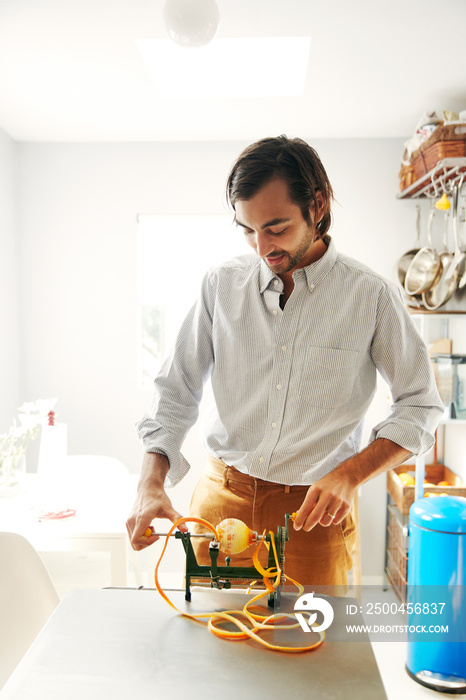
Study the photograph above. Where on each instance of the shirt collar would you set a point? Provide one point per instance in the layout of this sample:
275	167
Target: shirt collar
315	272
266	276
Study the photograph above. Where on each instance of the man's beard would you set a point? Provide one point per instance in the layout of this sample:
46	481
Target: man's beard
295	257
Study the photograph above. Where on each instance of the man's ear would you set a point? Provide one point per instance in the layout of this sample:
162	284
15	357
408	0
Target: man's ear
320	208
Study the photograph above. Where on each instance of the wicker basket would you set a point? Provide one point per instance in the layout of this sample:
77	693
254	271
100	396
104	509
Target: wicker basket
404	495
396	578
407	176
445	142
397	552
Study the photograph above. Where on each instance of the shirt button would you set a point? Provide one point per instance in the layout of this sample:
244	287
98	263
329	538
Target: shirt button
275	281
311	287
275	312
279	386
261	459
274	425
284	348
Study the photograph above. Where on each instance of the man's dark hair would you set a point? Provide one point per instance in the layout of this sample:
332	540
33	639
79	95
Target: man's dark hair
292	160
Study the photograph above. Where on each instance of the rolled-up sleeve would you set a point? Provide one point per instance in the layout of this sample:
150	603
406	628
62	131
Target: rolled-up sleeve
179	386
402	359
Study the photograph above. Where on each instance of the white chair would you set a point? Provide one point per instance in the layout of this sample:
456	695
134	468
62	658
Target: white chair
27	599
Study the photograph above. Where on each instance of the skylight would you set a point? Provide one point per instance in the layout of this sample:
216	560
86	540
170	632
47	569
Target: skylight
230	67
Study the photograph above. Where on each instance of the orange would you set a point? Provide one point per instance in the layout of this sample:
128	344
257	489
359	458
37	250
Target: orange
406	479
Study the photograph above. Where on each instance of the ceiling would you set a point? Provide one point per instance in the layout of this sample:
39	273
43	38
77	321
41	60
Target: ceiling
70	70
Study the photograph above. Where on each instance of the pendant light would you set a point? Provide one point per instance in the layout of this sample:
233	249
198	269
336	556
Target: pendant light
191	23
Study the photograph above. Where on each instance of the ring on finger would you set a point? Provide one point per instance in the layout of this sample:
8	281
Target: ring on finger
331	515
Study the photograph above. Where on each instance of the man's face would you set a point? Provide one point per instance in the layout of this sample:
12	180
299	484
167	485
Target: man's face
275	228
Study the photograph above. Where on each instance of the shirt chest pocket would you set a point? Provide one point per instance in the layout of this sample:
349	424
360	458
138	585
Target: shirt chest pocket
327	376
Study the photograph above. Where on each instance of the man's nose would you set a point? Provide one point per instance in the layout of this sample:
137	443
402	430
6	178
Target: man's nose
263	244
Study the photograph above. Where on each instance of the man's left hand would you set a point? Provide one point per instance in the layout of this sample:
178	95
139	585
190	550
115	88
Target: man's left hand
327	502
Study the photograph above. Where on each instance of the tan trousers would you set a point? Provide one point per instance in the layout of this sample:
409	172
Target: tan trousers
321	557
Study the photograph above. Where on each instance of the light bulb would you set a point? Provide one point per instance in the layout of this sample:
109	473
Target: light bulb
191	23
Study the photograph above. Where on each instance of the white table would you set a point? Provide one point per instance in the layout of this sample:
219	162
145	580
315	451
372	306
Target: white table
128	643
99	524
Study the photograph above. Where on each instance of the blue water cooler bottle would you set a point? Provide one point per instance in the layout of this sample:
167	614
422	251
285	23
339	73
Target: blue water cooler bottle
436	597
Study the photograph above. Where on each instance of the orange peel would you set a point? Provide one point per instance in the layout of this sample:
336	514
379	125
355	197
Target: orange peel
253	624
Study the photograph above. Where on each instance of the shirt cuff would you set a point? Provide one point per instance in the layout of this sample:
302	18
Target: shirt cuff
156	439
411	437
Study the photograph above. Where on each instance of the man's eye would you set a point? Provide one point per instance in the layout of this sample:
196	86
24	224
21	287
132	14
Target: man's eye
278	233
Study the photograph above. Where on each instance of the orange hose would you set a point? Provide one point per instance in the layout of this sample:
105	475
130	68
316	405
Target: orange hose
257	623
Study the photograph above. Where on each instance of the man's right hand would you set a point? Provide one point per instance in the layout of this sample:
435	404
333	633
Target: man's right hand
151	502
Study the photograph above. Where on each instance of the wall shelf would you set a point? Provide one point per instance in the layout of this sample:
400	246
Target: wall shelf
414	311
453	421
448	170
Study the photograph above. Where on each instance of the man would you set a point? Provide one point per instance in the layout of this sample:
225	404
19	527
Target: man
291	338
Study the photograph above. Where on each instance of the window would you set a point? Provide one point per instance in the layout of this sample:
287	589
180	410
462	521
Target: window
174	252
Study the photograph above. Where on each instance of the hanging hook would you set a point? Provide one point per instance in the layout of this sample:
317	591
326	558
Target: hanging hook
432	179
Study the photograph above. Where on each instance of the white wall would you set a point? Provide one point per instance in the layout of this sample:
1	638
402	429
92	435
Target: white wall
78	205
9	285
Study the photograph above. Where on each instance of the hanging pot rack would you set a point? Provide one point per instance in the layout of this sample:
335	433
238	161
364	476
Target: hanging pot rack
442	178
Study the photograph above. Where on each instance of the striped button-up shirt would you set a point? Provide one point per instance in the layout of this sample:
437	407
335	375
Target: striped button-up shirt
291	386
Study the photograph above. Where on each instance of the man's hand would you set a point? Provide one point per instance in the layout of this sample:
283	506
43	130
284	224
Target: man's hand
151	502
149	505
329	500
